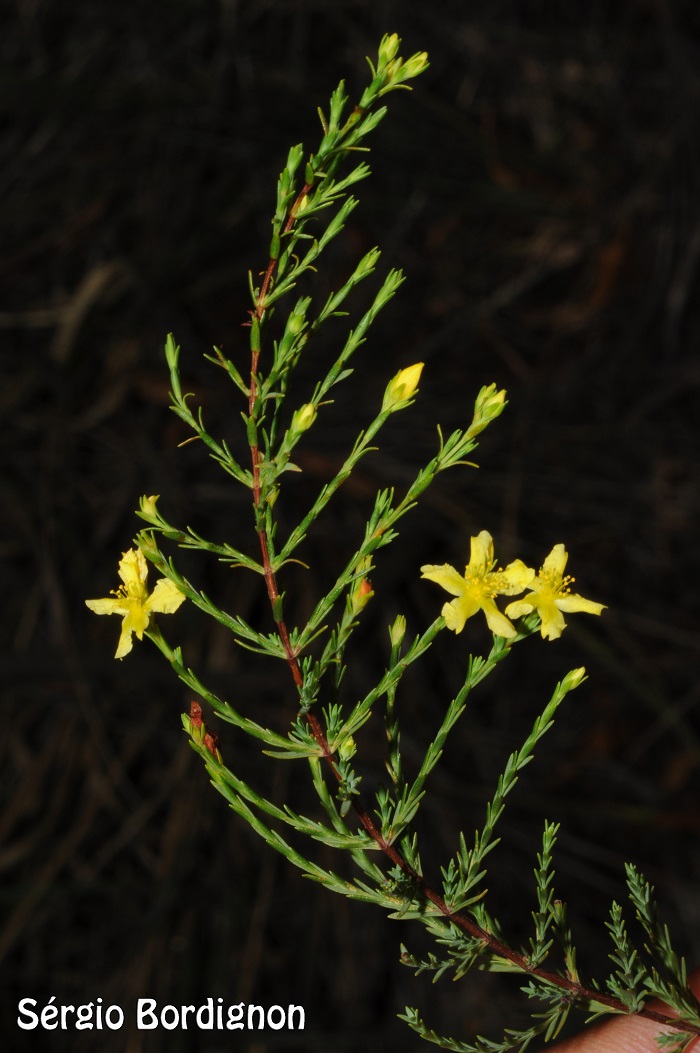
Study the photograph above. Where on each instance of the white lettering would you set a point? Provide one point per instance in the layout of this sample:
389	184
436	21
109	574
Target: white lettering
235	1017
281	1018
65	1010
167	1009
109	1012
67	1017
84	1017
163	1017
48	1013
205	1016
33	1019
290	1016
252	1009
144	1009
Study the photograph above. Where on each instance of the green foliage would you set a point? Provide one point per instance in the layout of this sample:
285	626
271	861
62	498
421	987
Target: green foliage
312	206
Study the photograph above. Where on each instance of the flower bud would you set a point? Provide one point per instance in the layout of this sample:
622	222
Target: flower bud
572	679
294	329
347	749
146	543
147	506
388	48
397	630
297	318
415	65
361	595
489	405
401	388
303	418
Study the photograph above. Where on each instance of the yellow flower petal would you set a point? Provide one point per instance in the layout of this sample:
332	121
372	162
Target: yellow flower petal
107	606
457	611
497	622
573	602
481	551
519	608
165	598
515	578
555	562
125	642
133	570
445	575
553	623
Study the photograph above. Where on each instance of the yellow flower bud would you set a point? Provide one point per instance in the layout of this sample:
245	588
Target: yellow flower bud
388	48
398	630
303	418
415	65
401	388
393	69
147	505
489	405
572	680
490	401
347	749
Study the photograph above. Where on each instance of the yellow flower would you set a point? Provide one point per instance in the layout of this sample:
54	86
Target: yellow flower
476	588
550	595
132	601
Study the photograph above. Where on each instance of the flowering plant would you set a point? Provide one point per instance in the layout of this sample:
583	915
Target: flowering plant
377	831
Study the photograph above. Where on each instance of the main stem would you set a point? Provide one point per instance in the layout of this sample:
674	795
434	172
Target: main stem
468	925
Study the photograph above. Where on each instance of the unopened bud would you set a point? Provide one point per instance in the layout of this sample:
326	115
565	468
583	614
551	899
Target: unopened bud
361	595
489	405
388	48
147	506
303	418
397	630
572	680
297	319
347	749
415	65
146	543
401	388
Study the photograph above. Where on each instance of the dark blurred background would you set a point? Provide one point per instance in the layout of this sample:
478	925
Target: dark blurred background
540	189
